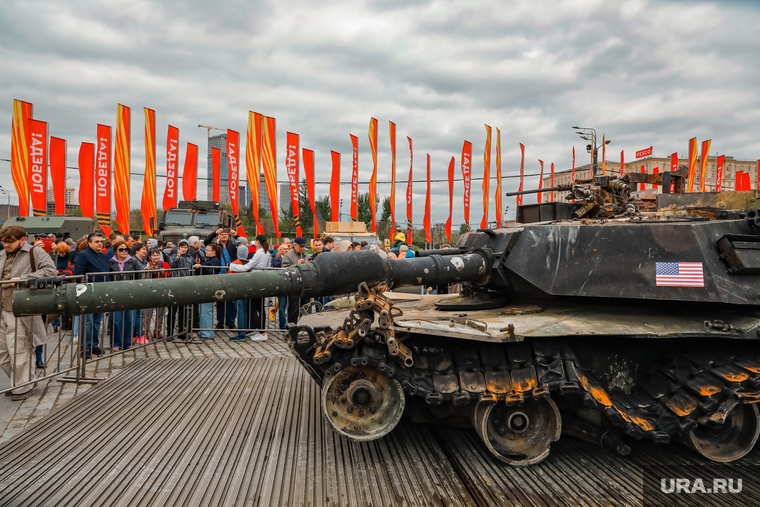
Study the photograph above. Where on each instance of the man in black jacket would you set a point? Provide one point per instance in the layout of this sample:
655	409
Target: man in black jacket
91	260
225	311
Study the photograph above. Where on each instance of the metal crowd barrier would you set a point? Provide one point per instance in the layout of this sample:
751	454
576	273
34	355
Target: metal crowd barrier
135	330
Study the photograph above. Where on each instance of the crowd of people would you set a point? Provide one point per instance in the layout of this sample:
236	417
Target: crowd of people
126	257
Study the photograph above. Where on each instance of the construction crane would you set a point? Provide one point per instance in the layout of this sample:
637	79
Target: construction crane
208	129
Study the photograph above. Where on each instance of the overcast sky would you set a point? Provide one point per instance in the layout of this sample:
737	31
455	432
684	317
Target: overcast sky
643	73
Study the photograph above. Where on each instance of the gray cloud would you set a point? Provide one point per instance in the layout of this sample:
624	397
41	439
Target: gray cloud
644	73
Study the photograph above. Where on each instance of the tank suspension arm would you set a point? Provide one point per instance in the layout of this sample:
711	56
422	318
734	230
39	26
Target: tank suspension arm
559	188
329	274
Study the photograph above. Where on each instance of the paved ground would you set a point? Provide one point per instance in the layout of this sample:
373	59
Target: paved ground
50	395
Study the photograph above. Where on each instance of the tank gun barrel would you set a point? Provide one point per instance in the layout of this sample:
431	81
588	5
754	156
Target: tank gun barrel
559	188
329	274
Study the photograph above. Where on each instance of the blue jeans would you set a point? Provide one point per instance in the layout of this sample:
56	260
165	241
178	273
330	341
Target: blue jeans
91	330
121	329
242	314
38	352
281	312
207	320
225	314
138	317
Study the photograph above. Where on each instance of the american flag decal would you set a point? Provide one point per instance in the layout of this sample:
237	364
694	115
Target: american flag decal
680	274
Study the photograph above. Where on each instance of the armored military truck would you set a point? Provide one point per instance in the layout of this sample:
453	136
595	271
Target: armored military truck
192	218
70	227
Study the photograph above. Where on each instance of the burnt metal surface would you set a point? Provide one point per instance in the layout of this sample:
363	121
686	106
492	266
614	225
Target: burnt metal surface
249	432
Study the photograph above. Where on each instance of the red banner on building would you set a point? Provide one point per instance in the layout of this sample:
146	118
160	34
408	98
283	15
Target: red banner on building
642	186
451	199
38	165
148	202
747	184
719	174
622	162
466	175
103	179
572	174
604	155
644	153
519	198
486	177
121	167
291	165
269	164
190	173
22	113
335	186
409	195
541	180
354	177
87	179
216	173
739	181
233	176
172	162
552	180
308	170
373	179
58	173
692	162
392	226
497	196
674	162
426	216
703	165
253	164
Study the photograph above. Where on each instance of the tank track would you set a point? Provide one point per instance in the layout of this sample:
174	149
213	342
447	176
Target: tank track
693	388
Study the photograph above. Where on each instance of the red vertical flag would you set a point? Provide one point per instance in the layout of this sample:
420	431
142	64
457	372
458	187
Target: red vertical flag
692	162
552	180
216	173
373	179
38	165
87	179
426	217
540	180
335	186
121	166
451	199
308	170
466	171
739	181
392	227
486	177
148	203
354	177
673	167
409	195
233	176
190	173
497	197
291	165
642	186
22	113
622	162
58	173
703	165
719	175
253	164
572	175
172	160
269	164
604	155
747	184
103	179
519	198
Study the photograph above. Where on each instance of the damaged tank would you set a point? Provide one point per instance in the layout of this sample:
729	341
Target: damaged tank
607	325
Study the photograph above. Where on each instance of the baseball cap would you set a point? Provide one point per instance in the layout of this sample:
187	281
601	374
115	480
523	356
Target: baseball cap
261	238
299	241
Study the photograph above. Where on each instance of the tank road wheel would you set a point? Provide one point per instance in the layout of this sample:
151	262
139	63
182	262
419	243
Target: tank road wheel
519	435
362	404
732	440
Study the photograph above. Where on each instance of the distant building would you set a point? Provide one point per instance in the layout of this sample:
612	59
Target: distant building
70	200
8	210
649	164
285	201
220	142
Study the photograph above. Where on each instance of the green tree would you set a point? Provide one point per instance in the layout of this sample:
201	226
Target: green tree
323	207
386	214
462	228
364	210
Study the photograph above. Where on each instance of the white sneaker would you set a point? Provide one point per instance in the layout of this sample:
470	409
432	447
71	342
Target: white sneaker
258	337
